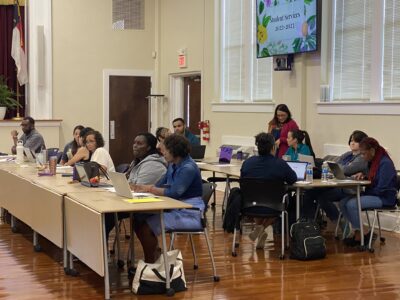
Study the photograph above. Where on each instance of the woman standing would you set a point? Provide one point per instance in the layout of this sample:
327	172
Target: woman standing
280	126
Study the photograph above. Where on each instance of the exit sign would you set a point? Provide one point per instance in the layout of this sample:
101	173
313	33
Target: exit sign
182	61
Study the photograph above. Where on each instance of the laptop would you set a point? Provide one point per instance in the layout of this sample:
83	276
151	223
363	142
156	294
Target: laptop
306	158
225	156
85	180
121	184
338	171
299	167
197	152
30	156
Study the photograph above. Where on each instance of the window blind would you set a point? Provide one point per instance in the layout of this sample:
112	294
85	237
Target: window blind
244	77
391	61
352	51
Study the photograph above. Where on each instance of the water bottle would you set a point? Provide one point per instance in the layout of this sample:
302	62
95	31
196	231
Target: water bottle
324	173
20	152
309	173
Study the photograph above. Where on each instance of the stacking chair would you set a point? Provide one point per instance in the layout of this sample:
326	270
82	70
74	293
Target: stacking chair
208	190
264	193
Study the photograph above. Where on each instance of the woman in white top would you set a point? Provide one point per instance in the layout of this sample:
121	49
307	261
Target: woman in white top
94	142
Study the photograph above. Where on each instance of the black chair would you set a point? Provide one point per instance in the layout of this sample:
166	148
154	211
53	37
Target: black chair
208	190
122	168
264	193
227	180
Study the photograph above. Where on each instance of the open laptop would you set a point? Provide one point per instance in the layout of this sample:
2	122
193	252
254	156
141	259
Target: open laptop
306	158
338	171
197	152
299	167
121	184
85	179
225	156
30	156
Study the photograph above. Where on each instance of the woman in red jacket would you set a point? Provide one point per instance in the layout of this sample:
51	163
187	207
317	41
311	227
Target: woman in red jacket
279	127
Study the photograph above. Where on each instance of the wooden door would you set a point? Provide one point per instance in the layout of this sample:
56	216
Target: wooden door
129	114
192	102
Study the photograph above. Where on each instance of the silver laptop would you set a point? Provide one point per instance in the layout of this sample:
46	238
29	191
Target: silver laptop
299	168
337	171
121	184
306	158
30	156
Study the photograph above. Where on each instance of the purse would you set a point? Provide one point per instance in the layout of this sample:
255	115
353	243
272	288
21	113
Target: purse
150	278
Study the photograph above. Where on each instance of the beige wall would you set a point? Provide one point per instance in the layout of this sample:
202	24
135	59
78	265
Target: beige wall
299	89
84	44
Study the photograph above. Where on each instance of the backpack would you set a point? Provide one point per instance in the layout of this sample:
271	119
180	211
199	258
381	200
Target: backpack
306	241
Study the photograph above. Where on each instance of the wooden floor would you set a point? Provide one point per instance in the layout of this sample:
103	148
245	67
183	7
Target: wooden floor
344	274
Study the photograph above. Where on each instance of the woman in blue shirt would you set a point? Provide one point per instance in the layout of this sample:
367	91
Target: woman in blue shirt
295	141
381	192
182	182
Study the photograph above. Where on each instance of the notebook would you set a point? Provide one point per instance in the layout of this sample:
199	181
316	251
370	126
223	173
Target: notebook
30	156
299	167
306	158
197	152
85	180
337	171
225	156
121	184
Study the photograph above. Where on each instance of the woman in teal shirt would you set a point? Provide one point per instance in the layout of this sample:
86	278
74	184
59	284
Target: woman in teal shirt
295	141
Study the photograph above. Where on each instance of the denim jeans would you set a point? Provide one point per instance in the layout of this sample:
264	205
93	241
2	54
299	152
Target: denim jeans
348	207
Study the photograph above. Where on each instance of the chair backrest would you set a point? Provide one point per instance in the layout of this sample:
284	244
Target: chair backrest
122	168
261	192
208	190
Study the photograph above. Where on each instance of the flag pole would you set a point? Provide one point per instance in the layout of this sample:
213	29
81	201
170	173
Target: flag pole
18	117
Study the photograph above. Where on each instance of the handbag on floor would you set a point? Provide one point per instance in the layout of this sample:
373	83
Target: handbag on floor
150	278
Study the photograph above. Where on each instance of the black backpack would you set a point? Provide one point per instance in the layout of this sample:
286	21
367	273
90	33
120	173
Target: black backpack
306	241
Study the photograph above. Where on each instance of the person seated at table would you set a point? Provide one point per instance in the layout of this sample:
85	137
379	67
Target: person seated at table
31	138
181	128
82	154
381	192
147	167
71	148
265	166
295	140
161	134
182	182
94	142
351	162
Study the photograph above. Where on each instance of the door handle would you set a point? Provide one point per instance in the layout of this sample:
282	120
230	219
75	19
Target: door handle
112	130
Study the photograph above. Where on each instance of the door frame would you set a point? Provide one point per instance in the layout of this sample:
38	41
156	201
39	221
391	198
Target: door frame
107	73
177	94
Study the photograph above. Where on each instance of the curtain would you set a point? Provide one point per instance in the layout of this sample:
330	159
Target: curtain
7	64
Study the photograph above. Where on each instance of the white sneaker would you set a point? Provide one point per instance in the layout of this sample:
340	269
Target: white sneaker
256	232
261	240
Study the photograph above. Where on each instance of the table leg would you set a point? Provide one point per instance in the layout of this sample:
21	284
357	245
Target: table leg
168	289
359	215
105	256
298	190
65	252
214	196
226	193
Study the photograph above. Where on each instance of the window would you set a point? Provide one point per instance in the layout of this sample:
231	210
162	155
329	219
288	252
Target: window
244	78
365	61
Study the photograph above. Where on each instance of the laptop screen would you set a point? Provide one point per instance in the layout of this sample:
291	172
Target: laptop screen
82	173
299	168
198	152
225	155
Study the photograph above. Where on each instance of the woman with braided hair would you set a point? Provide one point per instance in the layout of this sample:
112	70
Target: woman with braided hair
381	192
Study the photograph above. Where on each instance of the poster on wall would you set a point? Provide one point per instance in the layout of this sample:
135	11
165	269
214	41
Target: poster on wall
286	27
